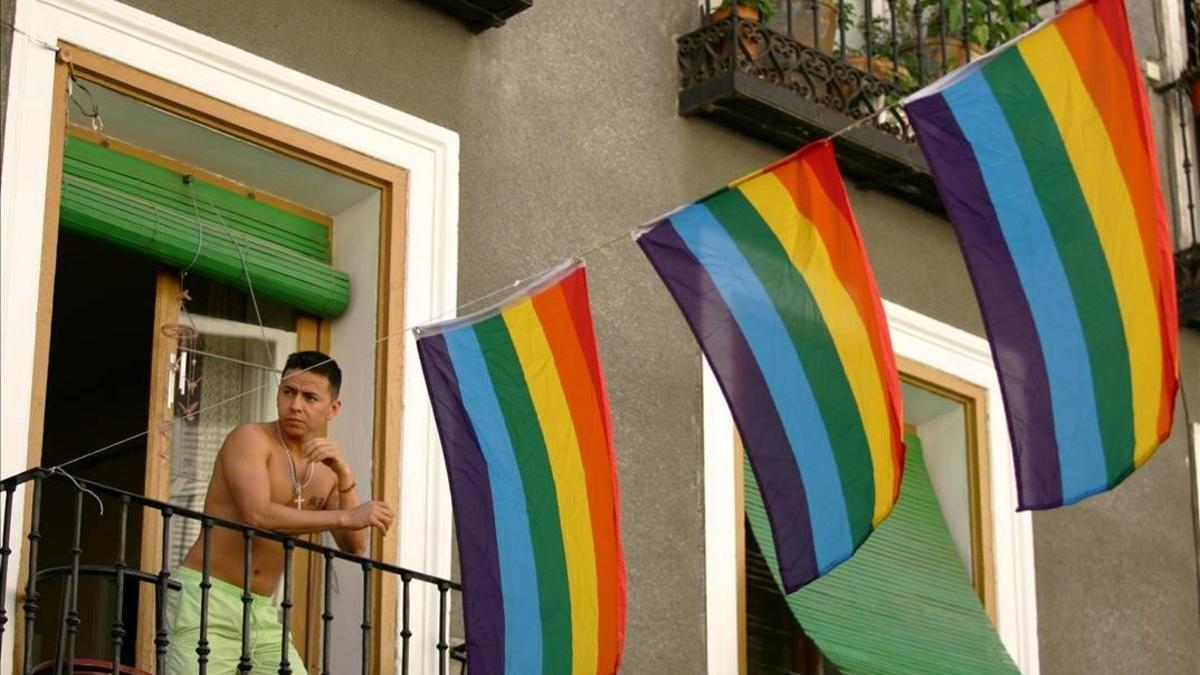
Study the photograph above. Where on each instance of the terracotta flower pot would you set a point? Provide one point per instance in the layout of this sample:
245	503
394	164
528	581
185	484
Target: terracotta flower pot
934	61
802	23
881	66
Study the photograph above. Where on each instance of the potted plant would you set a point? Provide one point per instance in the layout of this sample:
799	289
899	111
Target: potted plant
883	49
987	24
759	11
756	11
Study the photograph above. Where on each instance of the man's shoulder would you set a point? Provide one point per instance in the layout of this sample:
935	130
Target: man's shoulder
249	436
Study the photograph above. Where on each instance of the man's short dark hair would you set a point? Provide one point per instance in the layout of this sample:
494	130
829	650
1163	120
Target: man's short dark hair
317	363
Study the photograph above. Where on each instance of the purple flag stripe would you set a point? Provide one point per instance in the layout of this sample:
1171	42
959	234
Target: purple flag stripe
1007	317
749	399
483	601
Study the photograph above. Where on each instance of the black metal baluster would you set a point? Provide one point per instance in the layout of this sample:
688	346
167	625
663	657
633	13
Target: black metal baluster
60	645
870	46
842	28
118	627
443	611
919	48
734	43
202	649
1181	91
816	24
405	630
895	41
945	28
991	41
966	28
789	19
31	597
366	618
73	612
285	667
327	615
244	664
162	639
4	553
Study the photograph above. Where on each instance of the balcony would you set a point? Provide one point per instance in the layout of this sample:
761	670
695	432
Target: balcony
817	66
1186	92
71	624
480	15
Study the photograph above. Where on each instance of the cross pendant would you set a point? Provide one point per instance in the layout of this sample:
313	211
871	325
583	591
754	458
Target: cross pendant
299	500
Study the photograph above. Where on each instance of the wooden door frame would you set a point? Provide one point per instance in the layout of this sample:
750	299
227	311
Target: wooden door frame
973	398
392	182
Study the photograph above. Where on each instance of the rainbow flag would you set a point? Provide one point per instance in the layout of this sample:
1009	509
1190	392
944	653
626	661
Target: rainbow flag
1043	155
771	275
520	403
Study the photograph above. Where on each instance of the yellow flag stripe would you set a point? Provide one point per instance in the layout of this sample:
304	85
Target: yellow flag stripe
570	484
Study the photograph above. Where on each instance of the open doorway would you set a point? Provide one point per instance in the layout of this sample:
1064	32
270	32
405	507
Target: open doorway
97	391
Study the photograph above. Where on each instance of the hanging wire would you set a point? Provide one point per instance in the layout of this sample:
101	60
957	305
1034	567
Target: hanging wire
242	255
30	38
411	327
93	115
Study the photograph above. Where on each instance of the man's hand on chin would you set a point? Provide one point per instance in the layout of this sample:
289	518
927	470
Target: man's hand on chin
326	451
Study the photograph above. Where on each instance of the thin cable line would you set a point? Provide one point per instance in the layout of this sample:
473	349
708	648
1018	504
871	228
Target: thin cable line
245	267
30	38
456	310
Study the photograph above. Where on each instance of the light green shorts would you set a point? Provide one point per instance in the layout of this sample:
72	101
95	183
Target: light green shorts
224	630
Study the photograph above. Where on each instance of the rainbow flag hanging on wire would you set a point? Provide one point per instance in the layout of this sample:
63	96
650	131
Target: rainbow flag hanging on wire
520	403
1045	160
773	279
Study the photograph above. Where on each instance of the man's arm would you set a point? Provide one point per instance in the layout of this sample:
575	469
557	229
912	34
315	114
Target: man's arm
350	541
244	461
345	496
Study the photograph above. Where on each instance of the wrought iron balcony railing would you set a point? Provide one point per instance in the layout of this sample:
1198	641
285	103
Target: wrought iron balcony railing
819	65
71	615
1186	92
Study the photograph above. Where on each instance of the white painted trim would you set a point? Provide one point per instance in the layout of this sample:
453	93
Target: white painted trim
938	345
720	529
1194	458
942	346
428	152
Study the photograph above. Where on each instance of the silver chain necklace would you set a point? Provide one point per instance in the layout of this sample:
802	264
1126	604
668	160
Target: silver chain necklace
297	487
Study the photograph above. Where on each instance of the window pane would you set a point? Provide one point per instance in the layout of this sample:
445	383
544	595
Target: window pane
223	376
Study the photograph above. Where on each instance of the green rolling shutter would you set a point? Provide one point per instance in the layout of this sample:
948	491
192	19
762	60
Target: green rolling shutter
904	602
141	206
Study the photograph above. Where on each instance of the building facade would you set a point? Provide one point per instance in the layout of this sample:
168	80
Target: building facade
449	158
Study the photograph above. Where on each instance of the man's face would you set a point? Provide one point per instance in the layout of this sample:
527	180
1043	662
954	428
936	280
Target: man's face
305	402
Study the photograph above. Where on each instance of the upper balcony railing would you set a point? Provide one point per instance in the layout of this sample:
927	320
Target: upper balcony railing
816	66
1184	93
71	615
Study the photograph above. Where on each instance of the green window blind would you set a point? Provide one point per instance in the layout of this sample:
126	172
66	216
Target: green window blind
141	206
904	602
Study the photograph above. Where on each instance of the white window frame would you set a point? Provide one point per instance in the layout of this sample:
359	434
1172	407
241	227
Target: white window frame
924	340
428	152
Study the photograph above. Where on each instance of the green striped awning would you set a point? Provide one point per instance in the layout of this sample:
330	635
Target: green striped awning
904	602
142	206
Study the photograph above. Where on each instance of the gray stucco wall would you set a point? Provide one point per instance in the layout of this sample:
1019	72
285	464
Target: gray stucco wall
570	137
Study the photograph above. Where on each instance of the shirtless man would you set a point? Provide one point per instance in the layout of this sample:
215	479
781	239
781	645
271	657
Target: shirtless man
277	476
